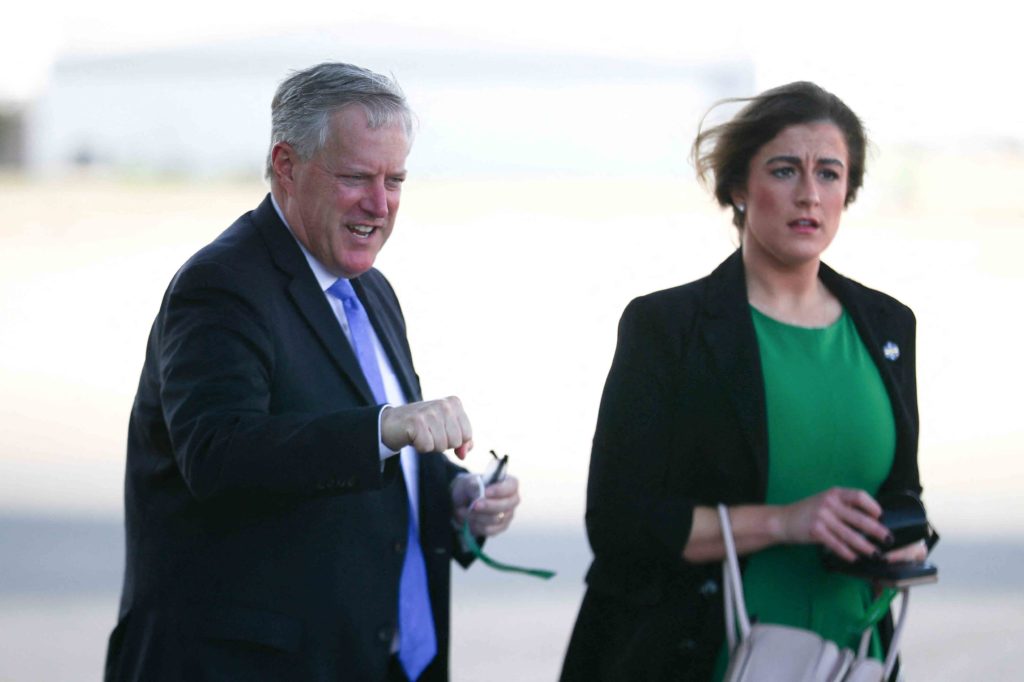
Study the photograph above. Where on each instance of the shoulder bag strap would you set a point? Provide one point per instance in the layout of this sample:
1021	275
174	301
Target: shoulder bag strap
732	584
894	643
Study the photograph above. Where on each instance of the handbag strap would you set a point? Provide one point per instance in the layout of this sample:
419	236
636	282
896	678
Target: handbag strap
894	643
736	605
732	584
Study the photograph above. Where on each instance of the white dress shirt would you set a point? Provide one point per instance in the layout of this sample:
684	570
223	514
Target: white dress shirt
392	389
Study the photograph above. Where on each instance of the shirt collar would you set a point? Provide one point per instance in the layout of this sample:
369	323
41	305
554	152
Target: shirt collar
323	276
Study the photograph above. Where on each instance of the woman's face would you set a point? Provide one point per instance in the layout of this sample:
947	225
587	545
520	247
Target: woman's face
795	194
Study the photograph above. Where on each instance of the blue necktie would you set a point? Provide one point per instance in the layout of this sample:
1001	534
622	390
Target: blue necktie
417	641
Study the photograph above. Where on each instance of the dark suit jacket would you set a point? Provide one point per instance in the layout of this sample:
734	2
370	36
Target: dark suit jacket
264	542
683	423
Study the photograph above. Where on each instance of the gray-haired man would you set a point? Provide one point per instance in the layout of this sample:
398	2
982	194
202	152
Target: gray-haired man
289	515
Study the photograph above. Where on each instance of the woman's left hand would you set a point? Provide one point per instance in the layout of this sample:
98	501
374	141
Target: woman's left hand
917	551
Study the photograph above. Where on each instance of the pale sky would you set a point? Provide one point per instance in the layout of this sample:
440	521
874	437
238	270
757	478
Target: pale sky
913	68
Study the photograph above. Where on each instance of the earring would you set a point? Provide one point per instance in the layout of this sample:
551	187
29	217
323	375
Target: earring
742	208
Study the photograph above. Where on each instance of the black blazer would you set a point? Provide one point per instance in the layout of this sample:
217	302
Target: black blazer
264	541
683	422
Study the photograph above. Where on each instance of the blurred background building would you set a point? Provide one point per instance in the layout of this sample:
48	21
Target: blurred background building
196	111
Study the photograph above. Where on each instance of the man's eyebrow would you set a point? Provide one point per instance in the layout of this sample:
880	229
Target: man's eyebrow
795	160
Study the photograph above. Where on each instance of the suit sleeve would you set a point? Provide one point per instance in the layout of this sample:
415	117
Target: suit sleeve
630	513
216	356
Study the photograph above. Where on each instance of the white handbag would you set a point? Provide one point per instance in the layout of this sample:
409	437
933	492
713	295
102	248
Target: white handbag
779	653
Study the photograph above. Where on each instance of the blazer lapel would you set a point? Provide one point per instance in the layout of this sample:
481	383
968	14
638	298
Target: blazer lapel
732	344
873	323
305	292
730	340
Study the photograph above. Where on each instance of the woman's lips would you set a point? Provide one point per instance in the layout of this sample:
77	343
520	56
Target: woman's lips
804	224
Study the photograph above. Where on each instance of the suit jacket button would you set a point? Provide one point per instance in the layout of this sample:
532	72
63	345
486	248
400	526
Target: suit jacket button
708	589
384	635
399	546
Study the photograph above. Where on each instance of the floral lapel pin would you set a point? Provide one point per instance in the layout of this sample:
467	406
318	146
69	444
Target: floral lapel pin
891	351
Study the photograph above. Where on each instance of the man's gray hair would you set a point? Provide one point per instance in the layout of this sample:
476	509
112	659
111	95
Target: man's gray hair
304	102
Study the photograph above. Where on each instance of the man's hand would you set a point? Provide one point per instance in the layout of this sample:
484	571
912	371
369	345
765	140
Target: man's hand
428	426
490	514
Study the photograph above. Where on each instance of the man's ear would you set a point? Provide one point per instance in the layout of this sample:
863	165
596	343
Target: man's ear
283	160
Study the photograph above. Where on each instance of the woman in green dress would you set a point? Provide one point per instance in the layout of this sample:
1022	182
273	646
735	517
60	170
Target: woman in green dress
775	386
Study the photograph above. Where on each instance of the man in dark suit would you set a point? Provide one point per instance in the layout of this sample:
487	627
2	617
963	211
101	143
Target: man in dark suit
289	514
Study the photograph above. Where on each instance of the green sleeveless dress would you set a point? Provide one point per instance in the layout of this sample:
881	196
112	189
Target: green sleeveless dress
830	423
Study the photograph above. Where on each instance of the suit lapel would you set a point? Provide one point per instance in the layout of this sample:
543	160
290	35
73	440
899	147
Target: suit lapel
729	338
385	317
309	298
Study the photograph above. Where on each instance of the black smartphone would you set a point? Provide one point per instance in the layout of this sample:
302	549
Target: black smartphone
885	573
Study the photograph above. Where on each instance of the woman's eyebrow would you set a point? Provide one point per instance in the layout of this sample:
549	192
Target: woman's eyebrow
795	160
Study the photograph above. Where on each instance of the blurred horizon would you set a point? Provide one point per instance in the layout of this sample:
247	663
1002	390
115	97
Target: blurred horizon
597	242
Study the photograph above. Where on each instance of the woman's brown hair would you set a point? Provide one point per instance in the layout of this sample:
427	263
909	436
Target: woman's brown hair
725	150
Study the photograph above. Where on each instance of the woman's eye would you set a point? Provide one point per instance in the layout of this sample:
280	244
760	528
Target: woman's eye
829	174
783	172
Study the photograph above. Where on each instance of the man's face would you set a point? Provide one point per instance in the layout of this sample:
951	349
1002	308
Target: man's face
341	203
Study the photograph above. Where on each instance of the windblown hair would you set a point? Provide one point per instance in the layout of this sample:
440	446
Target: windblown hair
724	151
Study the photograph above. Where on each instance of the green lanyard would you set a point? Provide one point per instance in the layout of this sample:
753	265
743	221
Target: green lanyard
876	612
496	472
471	543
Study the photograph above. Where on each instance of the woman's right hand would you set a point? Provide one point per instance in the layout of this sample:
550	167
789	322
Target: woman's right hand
839	519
